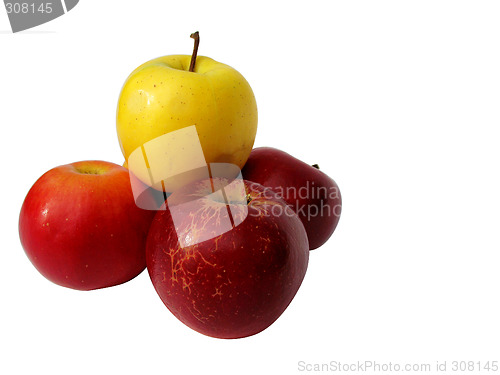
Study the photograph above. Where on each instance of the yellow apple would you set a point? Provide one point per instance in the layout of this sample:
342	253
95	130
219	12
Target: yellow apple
163	96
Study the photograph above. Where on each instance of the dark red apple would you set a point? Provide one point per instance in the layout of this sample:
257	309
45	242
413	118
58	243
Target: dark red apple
81	228
313	195
227	258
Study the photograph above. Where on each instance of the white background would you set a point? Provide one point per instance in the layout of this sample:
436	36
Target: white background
397	100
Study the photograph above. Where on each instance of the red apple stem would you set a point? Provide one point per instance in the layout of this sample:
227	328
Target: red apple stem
196	37
315	166
249	198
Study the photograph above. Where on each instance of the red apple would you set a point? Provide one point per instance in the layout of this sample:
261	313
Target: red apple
81	228
313	195
226	258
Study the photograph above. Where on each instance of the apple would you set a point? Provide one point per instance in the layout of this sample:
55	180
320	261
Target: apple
80	227
226	257
313	195
168	94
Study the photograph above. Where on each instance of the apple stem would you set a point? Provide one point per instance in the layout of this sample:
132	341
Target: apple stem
196	37
249	198
315	166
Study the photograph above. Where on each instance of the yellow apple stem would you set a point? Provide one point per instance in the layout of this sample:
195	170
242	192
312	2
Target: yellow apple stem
196	37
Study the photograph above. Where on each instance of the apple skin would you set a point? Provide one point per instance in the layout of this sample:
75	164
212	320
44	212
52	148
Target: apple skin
80	227
162	96
235	284
313	195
